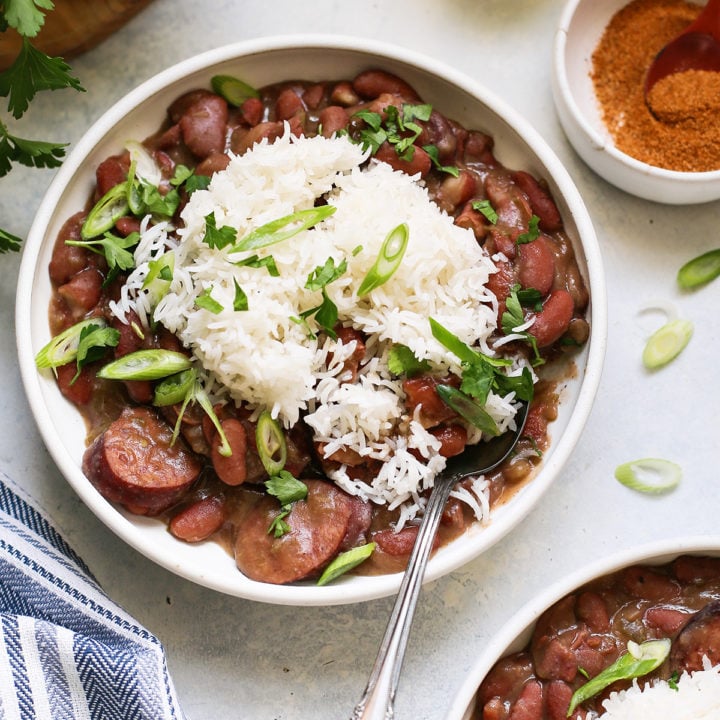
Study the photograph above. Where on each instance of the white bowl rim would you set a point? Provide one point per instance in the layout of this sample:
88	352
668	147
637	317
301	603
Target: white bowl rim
372	586
605	143
653	552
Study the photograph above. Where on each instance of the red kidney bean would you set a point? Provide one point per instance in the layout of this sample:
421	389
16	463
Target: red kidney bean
243	139
693	569
399	543
372	83
199	520
127	225
473	220
540	200
554	318
455	191
358	524
252	111
453	439
77	390
419	164
352	363
536	265
231	469
134	464
169	139
82	292
438	131
68	260
641	582
313	96
212	164
479	147
333	119
421	390
344	94
288	103
667	620
557	699
203	125
111	172
511	206
592	610
529	705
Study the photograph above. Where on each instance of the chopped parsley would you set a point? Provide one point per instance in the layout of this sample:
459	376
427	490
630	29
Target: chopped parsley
287	489
402	361
325	314
513	317
485	208
207	302
533	232
218	237
397	127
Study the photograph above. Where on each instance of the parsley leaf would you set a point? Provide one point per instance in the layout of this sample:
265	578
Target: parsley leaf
533	232
205	301
278	526
32	153
434	155
286	488
402	361
257	262
24	16
92	345
323	275
326	314
32	72
514	317
240	303
215	237
486	208
397	127
9	242
113	247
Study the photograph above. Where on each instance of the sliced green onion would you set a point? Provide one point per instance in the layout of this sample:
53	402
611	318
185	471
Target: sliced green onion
145	365
649	475
199	394
388	260
283	228
667	343
145	167
174	389
699	270
467	408
639	660
63	348
346	561
106	212
235	91
271	444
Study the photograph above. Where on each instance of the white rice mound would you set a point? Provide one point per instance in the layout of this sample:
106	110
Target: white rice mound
697	697
266	359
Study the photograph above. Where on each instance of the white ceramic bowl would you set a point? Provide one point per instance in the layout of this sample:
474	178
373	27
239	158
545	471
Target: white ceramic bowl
516	633
581	25
261	62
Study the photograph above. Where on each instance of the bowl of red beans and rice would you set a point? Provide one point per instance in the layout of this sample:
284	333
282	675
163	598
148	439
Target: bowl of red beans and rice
562	654
303	82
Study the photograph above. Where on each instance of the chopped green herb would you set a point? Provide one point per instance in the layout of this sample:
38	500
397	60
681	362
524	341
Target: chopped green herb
700	270
326	314
240	302
513	317
667	343
434	155
397	127
181	174
323	275
639	660
93	344
533	232
113	247
63	348
402	361
467	408
286	488
673	681
346	561
484	207
257	262
216	237
159	277
649	475
388	260
278	527
206	301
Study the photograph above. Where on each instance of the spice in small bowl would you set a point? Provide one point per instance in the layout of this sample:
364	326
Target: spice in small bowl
669	152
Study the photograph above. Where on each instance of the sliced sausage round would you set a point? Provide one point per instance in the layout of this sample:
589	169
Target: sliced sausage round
317	524
132	463
699	638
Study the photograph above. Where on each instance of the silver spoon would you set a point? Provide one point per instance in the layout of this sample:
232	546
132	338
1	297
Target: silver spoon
379	696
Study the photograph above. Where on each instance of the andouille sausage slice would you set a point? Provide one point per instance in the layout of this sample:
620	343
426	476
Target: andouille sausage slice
698	639
317	524
132	463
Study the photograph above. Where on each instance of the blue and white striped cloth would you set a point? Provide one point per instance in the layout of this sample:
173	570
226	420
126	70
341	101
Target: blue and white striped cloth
66	650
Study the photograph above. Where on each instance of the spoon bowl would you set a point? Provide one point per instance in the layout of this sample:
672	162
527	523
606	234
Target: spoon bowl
378	698
696	48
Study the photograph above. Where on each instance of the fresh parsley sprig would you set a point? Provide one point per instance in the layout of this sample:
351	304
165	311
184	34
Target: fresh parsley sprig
31	72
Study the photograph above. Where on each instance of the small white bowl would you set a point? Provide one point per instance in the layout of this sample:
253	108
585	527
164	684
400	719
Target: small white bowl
516	633
581	26
262	62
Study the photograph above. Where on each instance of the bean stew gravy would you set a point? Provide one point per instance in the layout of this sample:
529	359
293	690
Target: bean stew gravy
587	630
204	494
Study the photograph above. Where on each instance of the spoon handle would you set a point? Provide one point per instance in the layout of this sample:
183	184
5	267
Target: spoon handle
379	696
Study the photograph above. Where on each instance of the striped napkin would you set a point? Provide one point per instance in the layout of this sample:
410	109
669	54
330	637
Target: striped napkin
66	650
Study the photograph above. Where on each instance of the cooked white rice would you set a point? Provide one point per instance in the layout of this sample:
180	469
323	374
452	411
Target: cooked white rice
266	359
696	697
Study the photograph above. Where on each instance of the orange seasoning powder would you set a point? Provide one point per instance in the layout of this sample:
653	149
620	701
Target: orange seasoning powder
684	131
